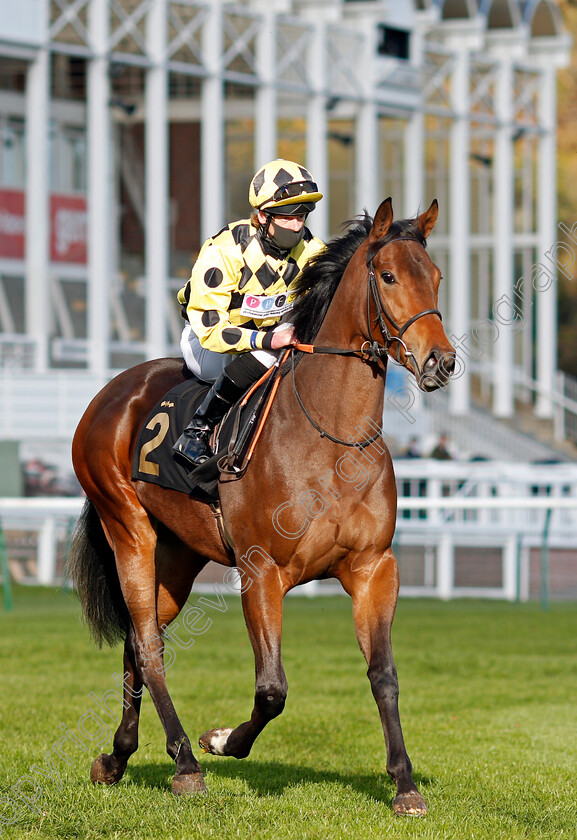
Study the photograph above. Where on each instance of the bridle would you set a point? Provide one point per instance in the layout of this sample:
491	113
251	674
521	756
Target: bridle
369	350
382	314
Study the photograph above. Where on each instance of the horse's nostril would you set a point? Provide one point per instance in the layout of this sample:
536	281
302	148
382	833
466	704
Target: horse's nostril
431	362
449	364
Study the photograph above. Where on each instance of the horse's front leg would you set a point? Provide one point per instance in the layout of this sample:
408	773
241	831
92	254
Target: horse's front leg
373	584
262	605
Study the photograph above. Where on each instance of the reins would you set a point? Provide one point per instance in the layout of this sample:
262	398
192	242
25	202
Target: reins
368	350
356	443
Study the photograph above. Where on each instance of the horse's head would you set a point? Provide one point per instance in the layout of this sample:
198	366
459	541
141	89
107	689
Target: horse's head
404	283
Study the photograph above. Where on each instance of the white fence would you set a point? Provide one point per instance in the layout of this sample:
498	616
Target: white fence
463	529
484	529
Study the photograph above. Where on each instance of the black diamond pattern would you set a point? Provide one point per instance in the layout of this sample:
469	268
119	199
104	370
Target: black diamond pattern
245	276
258	182
239	233
291	272
282	177
266	275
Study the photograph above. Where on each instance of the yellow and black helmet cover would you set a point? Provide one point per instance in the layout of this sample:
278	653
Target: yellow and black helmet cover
283	187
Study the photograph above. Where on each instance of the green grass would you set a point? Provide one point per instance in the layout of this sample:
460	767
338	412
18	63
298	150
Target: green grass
487	703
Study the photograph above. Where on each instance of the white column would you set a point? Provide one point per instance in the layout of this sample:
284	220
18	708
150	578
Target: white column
37	288
503	348
546	299
99	190
265	100
156	182
459	225
414	173
445	567
367	158
317	151
46	562
414	197
510	568
212	135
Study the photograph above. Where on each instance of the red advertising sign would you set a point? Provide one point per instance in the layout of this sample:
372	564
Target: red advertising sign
12	224
68	228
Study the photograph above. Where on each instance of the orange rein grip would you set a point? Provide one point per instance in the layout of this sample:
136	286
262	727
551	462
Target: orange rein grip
266	411
305	348
257	384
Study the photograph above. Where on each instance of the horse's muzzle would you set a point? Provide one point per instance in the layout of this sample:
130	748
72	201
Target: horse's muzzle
437	369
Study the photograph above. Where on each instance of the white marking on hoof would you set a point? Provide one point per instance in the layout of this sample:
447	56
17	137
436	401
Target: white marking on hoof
217	741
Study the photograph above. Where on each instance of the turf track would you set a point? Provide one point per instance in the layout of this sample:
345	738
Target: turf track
488	695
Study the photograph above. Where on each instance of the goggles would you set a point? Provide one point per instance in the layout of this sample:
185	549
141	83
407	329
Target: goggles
294	189
290	209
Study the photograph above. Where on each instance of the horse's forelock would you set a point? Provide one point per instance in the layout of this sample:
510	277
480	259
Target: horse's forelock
405	229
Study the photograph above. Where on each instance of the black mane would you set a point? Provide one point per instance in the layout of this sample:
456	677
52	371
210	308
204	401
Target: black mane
321	276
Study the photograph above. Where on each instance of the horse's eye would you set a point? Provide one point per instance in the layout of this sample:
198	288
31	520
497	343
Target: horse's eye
388	278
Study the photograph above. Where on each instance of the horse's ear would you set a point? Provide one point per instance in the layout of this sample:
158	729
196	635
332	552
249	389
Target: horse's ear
426	220
382	221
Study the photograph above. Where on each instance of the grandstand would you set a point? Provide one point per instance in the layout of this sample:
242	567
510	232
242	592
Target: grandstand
129	130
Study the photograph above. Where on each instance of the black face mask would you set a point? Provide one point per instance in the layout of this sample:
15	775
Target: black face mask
285	239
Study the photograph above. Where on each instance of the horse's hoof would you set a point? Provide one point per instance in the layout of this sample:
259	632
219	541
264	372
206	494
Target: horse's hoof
214	741
409	804
106	771
188	784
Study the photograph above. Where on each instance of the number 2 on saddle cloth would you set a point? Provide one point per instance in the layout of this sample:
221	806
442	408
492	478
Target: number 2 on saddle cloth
233	443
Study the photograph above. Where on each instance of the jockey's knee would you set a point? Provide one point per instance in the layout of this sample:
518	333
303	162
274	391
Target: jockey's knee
245	369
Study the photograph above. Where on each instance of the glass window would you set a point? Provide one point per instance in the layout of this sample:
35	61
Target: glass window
76	156
68	160
12	156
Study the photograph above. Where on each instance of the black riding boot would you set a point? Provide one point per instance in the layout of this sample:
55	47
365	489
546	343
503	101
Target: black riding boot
192	449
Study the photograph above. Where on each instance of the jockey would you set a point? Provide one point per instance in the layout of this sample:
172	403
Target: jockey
239	289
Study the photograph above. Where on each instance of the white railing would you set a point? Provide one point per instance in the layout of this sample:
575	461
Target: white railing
563	397
50	520
482	530
17	352
49	405
566	407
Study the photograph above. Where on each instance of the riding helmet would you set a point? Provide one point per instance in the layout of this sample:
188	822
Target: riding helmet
283	187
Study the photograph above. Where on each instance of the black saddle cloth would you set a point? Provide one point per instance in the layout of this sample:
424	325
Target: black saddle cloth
153	461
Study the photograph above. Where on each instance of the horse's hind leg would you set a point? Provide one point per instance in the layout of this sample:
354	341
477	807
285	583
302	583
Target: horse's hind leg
262	605
374	587
151	606
109	769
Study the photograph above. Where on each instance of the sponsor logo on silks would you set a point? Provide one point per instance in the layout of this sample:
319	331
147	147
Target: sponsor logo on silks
267	306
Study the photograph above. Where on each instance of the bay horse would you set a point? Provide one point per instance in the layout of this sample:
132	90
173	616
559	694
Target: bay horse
317	501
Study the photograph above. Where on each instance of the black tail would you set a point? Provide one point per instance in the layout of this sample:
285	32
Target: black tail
92	569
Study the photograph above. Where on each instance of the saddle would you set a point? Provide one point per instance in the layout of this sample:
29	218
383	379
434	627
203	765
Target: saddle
232	441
